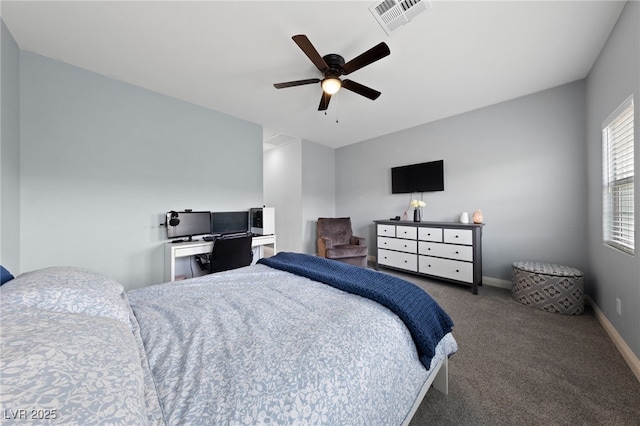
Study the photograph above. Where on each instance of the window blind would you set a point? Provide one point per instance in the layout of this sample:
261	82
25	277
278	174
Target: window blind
618	176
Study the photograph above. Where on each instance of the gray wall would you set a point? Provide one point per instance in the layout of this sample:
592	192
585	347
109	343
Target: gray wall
299	181
521	162
615	76
283	191
318	190
9	151
102	161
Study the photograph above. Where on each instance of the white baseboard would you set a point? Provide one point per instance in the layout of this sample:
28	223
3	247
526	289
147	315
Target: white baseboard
496	282
631	359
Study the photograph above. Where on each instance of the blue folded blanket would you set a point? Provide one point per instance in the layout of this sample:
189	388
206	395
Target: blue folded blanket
425	319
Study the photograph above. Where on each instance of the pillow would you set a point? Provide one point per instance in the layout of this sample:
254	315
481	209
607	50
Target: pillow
68	289
72	368
5	275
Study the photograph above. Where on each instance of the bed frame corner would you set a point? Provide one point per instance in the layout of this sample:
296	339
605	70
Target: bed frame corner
440	381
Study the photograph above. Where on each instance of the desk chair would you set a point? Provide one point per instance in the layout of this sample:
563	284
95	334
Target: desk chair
230	253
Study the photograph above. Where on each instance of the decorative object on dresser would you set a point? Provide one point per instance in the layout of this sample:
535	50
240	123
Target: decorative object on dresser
464	217
477	216
336	241
417	209
443	250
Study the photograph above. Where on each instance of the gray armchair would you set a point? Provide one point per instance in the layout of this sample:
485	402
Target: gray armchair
336	241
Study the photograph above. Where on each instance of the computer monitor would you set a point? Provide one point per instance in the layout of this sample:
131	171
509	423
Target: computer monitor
188	224
229	222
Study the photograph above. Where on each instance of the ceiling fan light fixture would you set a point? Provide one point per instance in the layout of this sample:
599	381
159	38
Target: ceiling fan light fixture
331	85
332	66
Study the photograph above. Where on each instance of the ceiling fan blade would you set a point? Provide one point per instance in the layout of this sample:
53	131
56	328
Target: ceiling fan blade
296	83
303	43
358	88
324	101
375	53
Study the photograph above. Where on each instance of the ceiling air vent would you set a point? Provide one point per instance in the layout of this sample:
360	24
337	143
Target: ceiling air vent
392	14
276	140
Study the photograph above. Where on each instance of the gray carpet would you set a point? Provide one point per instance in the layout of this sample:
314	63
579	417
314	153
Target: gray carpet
517	365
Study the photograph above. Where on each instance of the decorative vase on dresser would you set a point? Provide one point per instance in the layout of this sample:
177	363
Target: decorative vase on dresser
443	250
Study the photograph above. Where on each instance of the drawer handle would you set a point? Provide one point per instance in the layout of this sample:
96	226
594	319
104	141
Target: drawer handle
456	236
405	261
429	249
429	266
457	252
457	270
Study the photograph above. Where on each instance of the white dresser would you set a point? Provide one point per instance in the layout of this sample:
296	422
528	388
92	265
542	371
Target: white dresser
443	250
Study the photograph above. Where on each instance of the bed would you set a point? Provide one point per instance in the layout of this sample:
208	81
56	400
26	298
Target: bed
286	341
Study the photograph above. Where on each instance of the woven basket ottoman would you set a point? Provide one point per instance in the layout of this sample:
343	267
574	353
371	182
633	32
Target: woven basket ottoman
552	288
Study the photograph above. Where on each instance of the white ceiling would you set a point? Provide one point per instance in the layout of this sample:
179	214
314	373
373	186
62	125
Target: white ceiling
226	55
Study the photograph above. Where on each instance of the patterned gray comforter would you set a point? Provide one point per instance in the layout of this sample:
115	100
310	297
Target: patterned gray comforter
257	345
249	346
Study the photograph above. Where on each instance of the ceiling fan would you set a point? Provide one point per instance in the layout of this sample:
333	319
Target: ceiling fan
332	66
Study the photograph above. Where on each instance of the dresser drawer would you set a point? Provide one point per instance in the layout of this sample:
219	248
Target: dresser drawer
410	232
452	269
451	251
408	246
387	230
398	259
430	234
458	236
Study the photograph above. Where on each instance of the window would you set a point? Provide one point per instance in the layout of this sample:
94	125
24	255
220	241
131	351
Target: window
618	177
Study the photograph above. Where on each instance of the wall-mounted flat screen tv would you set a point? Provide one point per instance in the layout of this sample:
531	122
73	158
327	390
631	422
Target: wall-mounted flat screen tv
422	177
188	224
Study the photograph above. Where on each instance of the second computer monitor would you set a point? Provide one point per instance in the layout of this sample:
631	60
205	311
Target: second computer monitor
229	222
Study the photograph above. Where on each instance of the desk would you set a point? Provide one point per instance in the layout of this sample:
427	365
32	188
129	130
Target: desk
191	248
